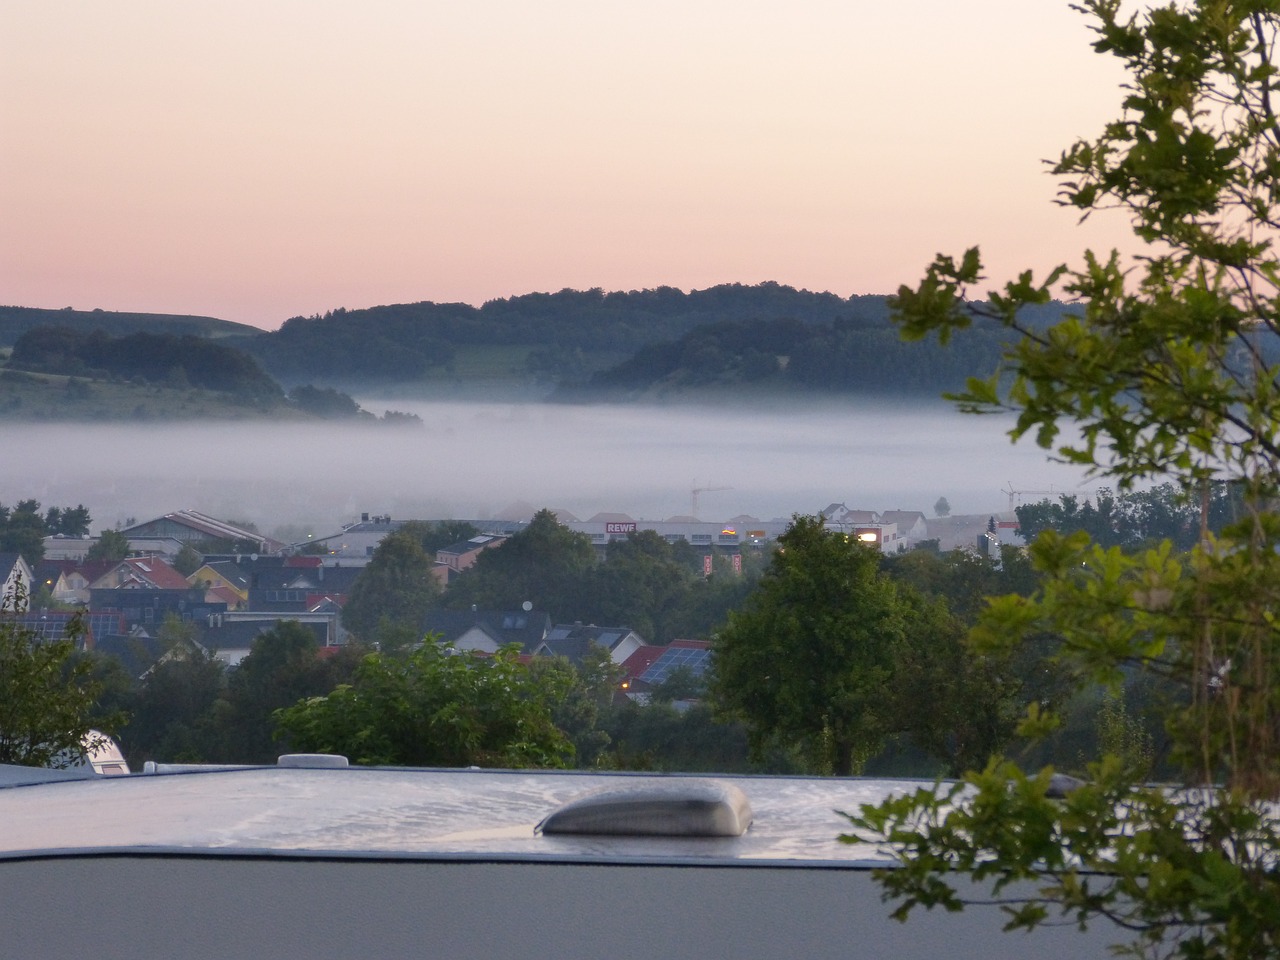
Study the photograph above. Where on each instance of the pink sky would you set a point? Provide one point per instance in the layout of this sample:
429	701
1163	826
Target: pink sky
259	160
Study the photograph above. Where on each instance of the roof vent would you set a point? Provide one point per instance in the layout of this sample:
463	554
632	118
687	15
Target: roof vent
676	808
311	760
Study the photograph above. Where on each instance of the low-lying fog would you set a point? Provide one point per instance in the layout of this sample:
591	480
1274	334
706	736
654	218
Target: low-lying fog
473	460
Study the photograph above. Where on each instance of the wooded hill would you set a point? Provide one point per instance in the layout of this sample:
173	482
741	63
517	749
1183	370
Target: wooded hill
592	345
15	321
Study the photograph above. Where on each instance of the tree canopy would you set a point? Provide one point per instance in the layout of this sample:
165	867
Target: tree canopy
435	707
811	659
397	586
1167	372
48	697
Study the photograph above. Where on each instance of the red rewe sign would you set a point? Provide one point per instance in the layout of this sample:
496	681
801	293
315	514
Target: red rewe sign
619	528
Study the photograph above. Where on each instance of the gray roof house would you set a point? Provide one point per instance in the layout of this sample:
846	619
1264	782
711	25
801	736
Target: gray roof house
486	631
573	640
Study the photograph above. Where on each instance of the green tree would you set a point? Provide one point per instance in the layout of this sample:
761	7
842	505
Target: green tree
942	508
435	707
585	692
48	695
642	584
282	668
810	657
173	709
22	530
397	586
1168	373
546	563
110	545
188	560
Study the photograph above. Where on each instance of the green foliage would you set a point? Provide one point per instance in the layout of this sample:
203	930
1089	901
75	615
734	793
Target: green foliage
188	560
282	668
784	353
48	696
814	656
659	737
1137	518
110	545
67	521
942	508
435	708
396	586
585	693
546	563
173	710
325	402
435	535
1167	373
564	334
22	530
185	360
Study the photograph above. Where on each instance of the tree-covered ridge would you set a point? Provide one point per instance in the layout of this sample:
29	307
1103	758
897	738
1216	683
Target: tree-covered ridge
15	321
565	331
147	357
849	354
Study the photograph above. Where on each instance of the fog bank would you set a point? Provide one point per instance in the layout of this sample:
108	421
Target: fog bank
473	460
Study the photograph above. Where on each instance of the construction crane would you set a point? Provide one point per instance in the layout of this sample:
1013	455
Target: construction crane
698	491
1015	495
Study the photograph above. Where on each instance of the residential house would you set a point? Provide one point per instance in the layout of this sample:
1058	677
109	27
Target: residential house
358	540
192	528
912	525
16	576
457	557
71	583
297	584
487	631
140	573
223	580
573	640
231	636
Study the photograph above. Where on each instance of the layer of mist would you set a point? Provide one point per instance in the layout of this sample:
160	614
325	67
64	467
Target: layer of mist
473	460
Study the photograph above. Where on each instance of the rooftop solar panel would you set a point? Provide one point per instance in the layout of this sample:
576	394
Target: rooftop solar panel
693	659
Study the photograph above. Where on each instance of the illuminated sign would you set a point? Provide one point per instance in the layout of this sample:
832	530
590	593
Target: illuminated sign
620	528
728	532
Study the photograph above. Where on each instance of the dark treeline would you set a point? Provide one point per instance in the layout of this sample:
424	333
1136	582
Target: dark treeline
162	358
847	355
587	343
404	341
15	321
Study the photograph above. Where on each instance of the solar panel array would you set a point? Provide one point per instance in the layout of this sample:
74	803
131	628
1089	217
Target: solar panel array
693	659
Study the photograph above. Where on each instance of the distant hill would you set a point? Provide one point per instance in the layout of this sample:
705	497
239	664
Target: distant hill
15	321
578	344
544	337
846	356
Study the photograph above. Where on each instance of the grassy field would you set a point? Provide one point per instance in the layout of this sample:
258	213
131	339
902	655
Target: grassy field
47	397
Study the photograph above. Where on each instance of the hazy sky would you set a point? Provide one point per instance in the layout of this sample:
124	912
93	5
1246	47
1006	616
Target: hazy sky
259	159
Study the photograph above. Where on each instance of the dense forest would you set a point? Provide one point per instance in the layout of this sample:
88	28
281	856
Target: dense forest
565	334
147	357
571	345
847	355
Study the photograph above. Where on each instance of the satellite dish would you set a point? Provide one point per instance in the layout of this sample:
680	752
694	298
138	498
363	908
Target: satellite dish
527	606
